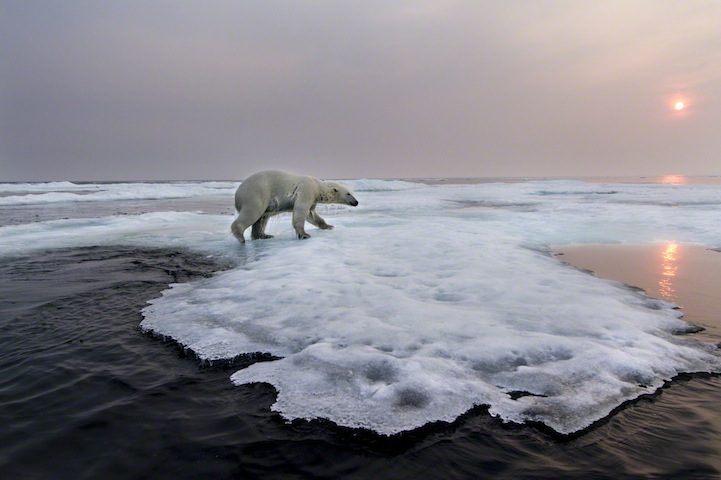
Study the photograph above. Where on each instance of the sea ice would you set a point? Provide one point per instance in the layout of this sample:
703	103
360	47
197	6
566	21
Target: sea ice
54	192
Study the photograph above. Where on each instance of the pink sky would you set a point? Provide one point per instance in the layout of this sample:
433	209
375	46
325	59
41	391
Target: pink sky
217	90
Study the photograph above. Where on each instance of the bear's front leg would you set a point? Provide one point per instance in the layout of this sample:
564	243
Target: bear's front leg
317	220
300	213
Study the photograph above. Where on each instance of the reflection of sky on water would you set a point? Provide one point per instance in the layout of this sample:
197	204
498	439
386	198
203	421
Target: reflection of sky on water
669	267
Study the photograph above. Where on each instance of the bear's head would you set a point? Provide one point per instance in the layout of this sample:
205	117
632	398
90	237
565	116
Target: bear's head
342	194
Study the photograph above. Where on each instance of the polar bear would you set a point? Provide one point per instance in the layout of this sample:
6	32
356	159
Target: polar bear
270	192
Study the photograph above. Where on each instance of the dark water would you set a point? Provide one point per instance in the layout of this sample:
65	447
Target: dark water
85	394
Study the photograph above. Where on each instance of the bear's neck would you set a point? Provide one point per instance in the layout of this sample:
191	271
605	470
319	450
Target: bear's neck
326	194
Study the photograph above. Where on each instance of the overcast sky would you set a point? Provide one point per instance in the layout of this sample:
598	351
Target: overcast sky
149	89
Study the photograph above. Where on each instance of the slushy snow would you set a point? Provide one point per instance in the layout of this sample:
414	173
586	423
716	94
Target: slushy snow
426	301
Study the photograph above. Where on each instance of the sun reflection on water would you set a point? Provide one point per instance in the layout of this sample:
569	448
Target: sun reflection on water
668	271
674	179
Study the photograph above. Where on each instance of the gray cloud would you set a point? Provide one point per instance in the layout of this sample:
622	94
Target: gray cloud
161	89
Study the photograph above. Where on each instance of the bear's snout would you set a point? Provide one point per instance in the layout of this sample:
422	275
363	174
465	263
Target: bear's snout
352	202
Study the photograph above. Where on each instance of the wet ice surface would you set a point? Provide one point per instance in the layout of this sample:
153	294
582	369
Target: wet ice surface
427	300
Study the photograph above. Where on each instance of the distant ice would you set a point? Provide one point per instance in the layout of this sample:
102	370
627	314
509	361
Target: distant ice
371	185
427	300
53	192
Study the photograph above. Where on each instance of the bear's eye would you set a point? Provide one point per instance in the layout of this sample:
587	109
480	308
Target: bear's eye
335	190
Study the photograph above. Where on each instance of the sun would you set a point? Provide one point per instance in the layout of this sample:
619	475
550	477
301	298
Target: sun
680	106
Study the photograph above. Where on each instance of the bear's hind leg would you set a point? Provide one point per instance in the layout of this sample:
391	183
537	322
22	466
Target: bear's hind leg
245	219
258	230
238	228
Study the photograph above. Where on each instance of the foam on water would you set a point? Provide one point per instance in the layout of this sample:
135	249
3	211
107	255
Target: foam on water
426	301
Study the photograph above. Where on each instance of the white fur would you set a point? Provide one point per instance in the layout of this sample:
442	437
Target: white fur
270	192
